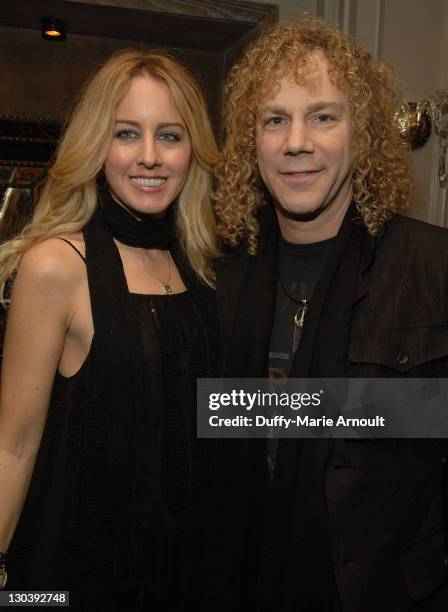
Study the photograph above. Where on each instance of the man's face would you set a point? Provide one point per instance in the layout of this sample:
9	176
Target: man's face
304	145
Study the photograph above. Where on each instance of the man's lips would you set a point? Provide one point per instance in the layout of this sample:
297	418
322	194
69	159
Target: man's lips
294	172
300	176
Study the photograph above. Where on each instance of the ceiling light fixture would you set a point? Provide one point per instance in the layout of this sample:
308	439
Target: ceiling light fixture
53	28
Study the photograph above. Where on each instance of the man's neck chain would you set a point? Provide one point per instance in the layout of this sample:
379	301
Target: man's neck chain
303	303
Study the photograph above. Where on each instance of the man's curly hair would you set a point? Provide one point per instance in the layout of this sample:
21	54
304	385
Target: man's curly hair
381	182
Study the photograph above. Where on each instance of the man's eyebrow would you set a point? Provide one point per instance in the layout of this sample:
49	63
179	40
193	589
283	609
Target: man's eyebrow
324	105
316	106
278	110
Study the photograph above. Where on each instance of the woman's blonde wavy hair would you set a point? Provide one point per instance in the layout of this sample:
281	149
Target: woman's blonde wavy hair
381	182
69	198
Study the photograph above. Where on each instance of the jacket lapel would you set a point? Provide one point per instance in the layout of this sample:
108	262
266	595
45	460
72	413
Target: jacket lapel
246	293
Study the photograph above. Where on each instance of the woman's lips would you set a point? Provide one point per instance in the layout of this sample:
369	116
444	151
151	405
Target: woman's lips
148	184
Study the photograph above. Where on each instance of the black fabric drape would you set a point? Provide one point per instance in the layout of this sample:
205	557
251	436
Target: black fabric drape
309	577
144	530
136	229
293	551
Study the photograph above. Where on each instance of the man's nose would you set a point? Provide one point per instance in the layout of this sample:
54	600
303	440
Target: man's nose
299	138
149	152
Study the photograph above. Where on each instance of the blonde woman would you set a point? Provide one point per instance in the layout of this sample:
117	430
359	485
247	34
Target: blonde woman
111	322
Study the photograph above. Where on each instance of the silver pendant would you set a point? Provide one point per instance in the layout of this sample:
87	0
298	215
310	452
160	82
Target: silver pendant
299	317
167	286
3	577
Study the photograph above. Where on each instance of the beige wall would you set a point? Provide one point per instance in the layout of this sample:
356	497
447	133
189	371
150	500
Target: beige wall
290	9
413	37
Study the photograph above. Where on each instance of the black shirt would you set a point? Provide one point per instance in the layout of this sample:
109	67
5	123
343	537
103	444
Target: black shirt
300	266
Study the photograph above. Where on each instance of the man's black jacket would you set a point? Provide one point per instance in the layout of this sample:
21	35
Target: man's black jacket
382	498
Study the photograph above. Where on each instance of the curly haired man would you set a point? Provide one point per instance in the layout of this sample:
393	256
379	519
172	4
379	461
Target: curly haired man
324	278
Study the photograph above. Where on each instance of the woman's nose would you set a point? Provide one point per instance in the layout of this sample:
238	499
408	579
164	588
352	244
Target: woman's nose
149	152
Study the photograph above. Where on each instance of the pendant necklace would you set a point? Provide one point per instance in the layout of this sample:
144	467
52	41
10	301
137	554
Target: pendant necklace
299	317
304	303
166	284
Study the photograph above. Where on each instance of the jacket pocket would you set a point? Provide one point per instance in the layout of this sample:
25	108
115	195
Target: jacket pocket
401	350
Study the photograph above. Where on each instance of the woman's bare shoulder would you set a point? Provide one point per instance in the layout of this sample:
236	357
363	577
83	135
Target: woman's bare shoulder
54	261
76	240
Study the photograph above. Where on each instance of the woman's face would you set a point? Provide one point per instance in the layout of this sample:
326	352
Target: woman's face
149	157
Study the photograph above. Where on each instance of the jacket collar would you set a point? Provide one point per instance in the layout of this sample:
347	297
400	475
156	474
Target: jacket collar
239	273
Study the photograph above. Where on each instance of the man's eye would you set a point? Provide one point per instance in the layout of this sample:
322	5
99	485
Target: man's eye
324	118
126	134
274	120
169	137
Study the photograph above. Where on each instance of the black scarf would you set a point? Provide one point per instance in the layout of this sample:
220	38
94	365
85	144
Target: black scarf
143	527
297	532
136	229
293	550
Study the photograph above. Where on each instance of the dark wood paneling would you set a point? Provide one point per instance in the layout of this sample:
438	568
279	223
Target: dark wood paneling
42	79
197	24
236	10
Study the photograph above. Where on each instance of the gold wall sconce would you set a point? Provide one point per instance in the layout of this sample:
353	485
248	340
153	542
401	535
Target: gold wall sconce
416	120
414	124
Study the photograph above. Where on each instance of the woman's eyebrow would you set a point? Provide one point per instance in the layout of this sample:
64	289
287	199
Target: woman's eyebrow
172	124
129	121
160	125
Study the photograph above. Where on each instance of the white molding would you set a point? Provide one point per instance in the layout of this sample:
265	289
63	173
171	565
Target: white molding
437	210
310	6
367	22
349	17
378	29
332	10
335	12
346	15
341	13
438	199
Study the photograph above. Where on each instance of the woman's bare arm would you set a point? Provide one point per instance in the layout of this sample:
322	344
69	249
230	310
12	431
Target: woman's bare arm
37	322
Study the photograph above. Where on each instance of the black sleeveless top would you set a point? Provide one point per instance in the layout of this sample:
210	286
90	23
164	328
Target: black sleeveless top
62	541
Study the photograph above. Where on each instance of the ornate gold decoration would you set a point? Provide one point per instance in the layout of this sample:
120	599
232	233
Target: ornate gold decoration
437	105
415	121
414	124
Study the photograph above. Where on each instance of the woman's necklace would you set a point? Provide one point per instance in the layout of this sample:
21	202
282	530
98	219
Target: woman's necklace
304	303
166	284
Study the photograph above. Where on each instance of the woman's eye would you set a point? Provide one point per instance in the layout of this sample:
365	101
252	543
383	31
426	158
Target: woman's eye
169	137
126	134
